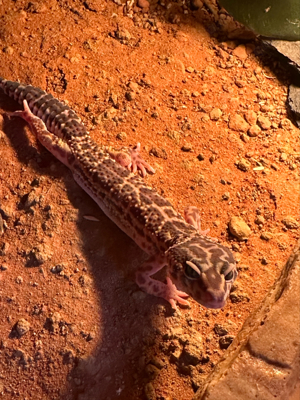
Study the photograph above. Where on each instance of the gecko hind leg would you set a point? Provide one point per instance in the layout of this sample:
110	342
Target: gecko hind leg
54	144
131	159
192	216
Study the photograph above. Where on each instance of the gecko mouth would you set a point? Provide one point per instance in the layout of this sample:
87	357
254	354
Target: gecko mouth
210	300
213	304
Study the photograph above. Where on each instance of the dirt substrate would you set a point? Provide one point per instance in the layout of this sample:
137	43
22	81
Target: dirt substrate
211	117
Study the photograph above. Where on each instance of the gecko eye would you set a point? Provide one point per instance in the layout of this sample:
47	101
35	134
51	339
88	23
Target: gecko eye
191	270
229	276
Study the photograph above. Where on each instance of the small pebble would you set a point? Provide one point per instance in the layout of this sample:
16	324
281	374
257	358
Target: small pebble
254	131
1	225
187	147
243	164
264	261
22	327
190	69
283	157
143	3
200	157
196	5
260	220
130	96
159	152
19	280
133	86
244	138
264	122
225	342
152	371
250	117
238	297
215	114
121	136
290	223
266	236
220	330
237	123
239	229
226	196
8	50
286	124
240	52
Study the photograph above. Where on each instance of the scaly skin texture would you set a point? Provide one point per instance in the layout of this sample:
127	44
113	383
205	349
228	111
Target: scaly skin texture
198	265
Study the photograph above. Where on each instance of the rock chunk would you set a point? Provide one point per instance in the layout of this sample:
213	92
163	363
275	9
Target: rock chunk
225	341
254	131
237	123
290	223
239	229
250	117
264	122
215	114
22	327
243	164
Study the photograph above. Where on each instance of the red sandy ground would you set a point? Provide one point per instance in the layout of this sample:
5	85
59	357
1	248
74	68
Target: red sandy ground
93	334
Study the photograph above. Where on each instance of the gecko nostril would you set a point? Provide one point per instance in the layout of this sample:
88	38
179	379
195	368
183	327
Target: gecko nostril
215	295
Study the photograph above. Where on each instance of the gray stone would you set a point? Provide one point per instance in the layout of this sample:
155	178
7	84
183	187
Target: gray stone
294	102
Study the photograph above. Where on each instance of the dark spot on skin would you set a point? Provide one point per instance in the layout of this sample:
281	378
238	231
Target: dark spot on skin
145	200
170	212
147	268
140	232
160	201
155	288
42	102
183	226
140	279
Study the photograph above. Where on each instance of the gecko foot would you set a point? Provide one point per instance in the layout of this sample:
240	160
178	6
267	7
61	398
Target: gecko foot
173	294
192	216
131	159
26	114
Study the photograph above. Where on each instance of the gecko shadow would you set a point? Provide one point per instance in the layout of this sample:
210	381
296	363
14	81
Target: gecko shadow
126	317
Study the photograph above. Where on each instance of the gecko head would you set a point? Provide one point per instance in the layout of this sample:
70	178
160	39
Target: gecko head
204	269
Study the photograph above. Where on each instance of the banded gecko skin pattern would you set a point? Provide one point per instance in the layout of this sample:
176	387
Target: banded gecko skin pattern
198	265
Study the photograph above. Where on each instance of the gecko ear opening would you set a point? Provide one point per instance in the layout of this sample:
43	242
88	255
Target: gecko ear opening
191	270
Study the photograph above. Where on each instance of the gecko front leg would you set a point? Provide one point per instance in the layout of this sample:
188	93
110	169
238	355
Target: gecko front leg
131	159
167	291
